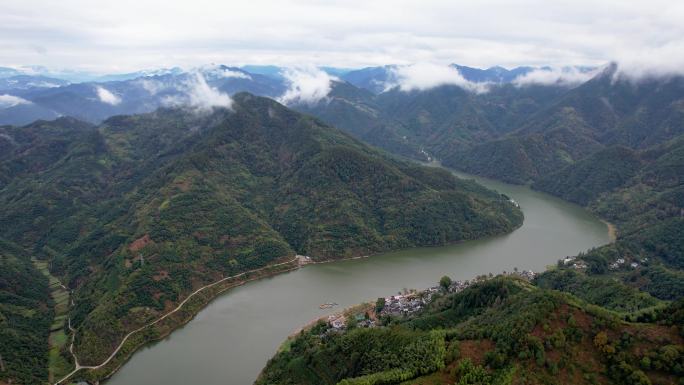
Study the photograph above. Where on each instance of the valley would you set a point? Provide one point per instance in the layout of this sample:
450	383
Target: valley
341	192
262	314
147	218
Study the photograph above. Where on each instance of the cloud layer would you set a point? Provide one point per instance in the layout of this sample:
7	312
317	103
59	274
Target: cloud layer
645	36
423	76
565	76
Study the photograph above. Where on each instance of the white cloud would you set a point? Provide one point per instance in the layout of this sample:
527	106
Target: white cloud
565	76
214	71
227	73
11	101
423	76
307	85
130	34
107	96
196	93
664	60
153	86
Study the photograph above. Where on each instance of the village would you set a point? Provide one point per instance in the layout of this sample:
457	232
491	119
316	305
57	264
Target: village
408	302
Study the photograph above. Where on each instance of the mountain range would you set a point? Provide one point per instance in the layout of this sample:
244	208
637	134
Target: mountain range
42	94
139	190
137	212
610	315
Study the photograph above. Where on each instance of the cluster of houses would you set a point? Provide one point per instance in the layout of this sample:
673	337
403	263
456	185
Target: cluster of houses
339	321
407	304
410	303
413	301
621	262
574	263
617	264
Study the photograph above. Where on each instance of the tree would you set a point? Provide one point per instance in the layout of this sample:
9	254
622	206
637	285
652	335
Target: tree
379	305
445	282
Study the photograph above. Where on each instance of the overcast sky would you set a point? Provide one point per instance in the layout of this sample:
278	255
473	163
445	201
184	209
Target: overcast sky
123	35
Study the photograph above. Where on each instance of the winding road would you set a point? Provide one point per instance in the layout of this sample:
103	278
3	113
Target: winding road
78	367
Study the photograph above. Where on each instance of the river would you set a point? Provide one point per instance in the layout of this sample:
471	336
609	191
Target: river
229	342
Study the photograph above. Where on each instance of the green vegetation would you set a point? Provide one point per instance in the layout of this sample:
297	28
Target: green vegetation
602	317
25	317
602	291
500	331
646	207
361	356
517	134
585	180
139	212
59	361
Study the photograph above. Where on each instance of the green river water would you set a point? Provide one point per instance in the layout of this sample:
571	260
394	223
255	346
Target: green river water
229	342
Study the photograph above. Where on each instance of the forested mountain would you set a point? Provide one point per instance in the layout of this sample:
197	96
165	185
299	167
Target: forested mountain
136	213
512	132
610	315
607	110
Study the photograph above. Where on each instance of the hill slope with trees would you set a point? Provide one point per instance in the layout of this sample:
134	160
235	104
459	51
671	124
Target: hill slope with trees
142	210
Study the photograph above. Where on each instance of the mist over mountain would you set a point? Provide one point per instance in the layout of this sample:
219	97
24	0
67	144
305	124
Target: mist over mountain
155	155
37	95
150	162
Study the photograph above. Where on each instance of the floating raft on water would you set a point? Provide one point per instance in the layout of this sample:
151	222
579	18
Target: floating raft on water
327	305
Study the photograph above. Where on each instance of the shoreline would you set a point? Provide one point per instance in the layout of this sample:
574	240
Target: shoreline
612	230
300	262
185	322
128	350
612	233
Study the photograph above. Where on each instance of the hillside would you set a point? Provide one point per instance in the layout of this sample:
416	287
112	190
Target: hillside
612	315
511	132
607	110
499	331
140	211
601	172
25	318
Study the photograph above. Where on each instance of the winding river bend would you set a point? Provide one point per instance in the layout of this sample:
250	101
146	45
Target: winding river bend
230	341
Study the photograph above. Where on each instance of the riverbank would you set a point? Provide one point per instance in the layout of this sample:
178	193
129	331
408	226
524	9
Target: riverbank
612	230
141	336
179	316
240	331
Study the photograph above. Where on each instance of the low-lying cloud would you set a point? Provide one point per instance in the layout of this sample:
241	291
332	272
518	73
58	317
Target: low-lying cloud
665	60
228	73
424	76
306	85
565	76
198	94
153	87
7	100
107	96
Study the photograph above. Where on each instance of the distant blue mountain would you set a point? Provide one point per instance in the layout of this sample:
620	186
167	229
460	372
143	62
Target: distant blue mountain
7	72
47	98
375	79
275	72
370	78
23	82
266	70
494	74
